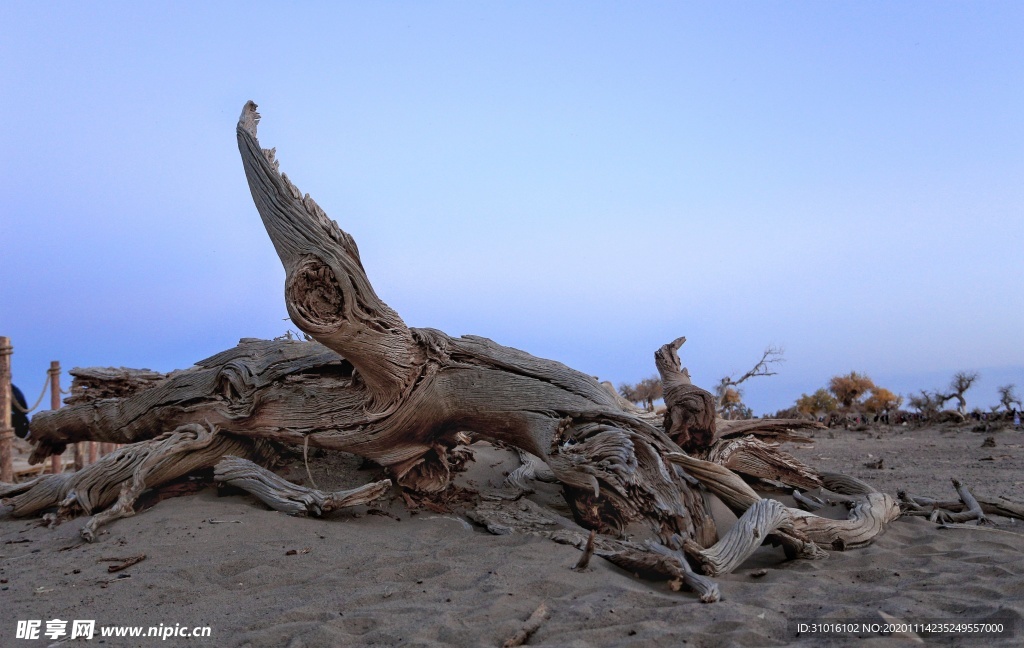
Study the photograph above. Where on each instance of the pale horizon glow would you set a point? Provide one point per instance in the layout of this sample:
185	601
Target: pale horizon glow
581	180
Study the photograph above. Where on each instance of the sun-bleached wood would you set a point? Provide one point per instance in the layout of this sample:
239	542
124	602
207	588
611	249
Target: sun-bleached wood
411	399
123	474
284	496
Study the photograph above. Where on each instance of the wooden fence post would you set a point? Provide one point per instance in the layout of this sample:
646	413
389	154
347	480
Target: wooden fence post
6	431
57	461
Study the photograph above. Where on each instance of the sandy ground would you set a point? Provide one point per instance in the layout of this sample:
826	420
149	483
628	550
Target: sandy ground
386	577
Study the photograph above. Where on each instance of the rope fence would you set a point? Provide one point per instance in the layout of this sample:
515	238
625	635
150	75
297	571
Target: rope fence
83	453
29	410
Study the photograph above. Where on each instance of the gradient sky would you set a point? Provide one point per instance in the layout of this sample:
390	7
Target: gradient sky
582	180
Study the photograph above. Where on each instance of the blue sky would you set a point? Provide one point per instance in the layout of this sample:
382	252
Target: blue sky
582	180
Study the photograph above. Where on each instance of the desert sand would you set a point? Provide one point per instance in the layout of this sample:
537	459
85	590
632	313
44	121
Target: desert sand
387	576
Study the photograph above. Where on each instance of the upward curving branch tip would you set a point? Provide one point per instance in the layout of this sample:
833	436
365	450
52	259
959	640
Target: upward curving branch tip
249	119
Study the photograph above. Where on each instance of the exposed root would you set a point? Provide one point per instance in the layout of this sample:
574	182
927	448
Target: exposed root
675	563
124	474
284	496
867	519
743	538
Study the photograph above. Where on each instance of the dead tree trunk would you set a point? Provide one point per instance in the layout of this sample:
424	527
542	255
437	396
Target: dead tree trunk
406	398
374	387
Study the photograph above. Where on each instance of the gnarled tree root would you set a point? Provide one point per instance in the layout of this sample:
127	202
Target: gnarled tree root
125	473
662	560
749	532
284	496
502	517
867	519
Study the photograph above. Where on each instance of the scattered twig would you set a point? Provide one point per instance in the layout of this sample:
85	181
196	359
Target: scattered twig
116	579
808	502
531	626
123	563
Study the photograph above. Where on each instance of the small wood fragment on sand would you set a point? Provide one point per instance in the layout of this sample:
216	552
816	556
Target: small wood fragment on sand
531	626
122	563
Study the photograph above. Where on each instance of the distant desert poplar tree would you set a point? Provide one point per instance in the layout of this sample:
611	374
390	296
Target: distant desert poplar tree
848	389
924	402
882	400
644	392
817	404
958	386
1008	397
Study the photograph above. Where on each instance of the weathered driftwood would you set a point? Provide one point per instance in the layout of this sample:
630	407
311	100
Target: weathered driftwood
845	484
866	520
588	552
772	429
916	505
968	508
751	456
808	502
405	398
761	519
972	509
739	497
290	498
690	415
396	395
531	468
651	560
94	383
124	474
531	626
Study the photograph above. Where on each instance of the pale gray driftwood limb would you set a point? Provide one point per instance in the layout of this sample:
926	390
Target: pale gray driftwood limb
531	468
169	456
749	532
282	495
967	509
866	520
916	505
